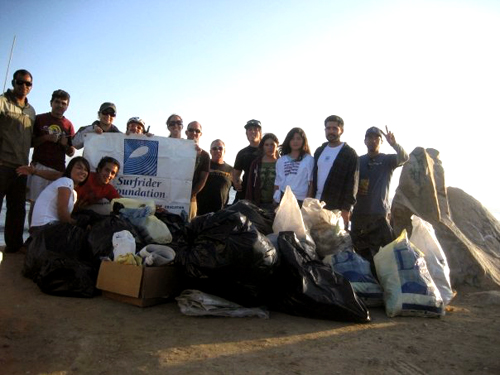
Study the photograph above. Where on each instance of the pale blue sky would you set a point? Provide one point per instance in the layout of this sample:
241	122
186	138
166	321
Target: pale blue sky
427	69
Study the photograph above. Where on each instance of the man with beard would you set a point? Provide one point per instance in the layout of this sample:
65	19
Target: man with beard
245	157
336	171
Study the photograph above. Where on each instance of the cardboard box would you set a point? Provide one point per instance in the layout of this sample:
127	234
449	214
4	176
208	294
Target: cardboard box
140	286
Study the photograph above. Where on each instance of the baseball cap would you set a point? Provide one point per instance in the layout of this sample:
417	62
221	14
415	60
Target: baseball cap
374	130
136	120
107	105
253	123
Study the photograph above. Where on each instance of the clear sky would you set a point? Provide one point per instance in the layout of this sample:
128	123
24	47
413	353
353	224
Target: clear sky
429	70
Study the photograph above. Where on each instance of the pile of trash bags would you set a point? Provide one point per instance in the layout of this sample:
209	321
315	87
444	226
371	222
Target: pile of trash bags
244	261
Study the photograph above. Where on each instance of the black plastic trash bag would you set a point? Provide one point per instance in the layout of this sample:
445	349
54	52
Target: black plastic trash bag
227	256
58	260
368	240
100	237
62	276
176	225
262	219
85	218
306	287
61	238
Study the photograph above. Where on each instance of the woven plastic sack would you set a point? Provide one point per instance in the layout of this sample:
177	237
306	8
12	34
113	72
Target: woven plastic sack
408	287
424	238
357	270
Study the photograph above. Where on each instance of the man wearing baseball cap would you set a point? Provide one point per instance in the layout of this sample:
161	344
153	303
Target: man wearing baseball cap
370	220
245	157
106	115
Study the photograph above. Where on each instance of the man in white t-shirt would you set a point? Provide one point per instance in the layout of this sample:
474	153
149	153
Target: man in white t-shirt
336	171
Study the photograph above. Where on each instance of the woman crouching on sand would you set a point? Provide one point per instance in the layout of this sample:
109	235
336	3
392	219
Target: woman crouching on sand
57	200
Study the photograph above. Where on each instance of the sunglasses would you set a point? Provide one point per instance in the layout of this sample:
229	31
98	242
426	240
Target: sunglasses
174	123
220	148
197	131
20	82
109	113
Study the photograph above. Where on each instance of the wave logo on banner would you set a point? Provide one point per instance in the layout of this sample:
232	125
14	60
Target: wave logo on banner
140	157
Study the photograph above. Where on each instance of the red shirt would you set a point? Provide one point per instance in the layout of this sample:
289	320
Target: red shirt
93	192
51	154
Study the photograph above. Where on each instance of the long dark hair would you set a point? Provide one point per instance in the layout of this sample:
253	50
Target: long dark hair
285	148
71	164
264	139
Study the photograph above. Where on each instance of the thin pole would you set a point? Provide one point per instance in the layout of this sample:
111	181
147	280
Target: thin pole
8	65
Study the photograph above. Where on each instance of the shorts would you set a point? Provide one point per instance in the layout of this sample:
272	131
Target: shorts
37	184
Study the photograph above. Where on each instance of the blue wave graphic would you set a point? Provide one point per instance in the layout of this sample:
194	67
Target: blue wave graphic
140	157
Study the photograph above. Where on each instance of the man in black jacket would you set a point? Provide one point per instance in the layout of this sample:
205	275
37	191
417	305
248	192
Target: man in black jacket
336	171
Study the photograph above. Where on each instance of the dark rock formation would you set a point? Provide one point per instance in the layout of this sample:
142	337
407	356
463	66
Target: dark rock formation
468	233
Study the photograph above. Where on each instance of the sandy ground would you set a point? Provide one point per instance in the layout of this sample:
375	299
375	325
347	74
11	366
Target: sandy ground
42	334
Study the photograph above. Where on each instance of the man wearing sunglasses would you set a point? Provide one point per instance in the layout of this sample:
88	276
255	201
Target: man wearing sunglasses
215	195
106	115
17	117
201	168
245	157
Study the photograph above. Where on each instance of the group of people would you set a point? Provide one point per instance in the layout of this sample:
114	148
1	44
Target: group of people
357	186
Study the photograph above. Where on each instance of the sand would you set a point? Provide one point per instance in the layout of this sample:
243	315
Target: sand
43	334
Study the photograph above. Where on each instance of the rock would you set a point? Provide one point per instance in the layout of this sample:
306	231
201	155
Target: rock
491	297
467	232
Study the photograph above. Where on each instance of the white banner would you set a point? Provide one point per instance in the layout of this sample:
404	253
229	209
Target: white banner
152	168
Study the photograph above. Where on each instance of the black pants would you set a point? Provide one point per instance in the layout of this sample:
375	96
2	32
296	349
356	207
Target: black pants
369	233
13	188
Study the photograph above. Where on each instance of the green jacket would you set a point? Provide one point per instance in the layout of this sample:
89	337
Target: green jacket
16	130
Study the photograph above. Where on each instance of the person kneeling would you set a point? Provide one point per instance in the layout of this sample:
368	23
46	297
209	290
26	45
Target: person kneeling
57	200
98	191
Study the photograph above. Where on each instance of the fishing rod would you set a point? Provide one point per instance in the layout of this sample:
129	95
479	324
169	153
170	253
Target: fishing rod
8	65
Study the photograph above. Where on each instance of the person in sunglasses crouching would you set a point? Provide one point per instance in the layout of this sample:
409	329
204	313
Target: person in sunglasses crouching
215	194
106	115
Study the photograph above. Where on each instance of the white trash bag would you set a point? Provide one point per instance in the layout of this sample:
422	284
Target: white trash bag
288	216
408	287
123	243
424	238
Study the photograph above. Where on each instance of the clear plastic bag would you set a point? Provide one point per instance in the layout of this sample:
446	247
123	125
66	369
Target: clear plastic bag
325	227
288	216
